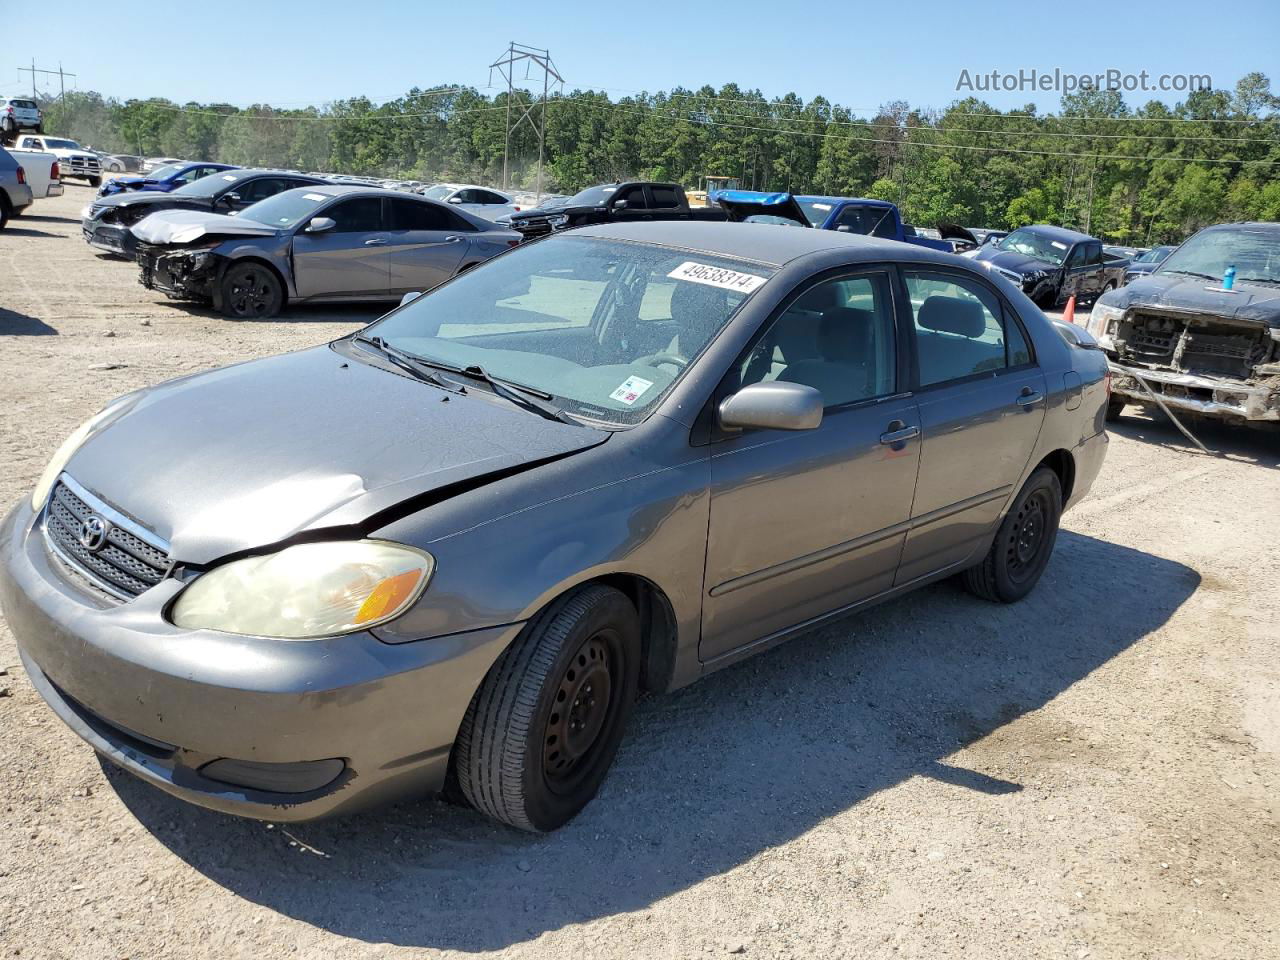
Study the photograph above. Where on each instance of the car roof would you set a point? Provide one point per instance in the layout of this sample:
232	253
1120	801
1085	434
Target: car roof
766	243
1058	233
1269	227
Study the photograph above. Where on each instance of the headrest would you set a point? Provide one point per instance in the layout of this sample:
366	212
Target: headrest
844	335
953	315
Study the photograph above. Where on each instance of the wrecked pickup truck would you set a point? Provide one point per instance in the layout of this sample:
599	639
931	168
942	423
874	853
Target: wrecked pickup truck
1202	345
1050	264
868	218
312	244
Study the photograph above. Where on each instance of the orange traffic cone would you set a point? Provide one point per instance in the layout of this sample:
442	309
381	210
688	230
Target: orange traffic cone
1069	311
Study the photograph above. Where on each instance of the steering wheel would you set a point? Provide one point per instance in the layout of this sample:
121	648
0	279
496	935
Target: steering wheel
658	359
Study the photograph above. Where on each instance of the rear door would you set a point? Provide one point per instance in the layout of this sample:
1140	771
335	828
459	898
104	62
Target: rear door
1084	270
425	244
981	397
807	522
351	259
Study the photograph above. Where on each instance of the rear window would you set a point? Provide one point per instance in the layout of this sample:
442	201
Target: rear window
24	104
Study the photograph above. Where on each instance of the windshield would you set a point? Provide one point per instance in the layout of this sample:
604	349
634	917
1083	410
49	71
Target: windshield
592	196
160	173
438	193
1154	255
1253	251
1031	244
210	186
604	327
284	209
816	211
61	145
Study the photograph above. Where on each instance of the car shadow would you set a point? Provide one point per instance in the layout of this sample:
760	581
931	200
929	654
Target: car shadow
43	219
1258	445
13	323
15	231
708	777
361	313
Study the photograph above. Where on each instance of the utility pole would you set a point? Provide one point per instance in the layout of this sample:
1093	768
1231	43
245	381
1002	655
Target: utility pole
59	73
533	58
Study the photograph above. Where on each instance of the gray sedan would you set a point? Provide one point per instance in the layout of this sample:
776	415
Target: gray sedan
312	244
454	546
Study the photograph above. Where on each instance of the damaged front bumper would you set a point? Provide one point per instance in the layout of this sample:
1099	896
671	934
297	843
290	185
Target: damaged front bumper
112	237
1209	396
179	274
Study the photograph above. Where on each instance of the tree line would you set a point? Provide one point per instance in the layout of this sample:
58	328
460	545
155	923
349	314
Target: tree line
1140	175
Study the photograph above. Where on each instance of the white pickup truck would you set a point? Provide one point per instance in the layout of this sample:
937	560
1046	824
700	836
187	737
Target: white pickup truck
73	159
42	170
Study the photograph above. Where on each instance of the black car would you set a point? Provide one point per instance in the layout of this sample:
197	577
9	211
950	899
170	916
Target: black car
611	203
106	221
1147	263
1051	263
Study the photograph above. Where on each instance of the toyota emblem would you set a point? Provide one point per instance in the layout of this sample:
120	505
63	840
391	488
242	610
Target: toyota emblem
93	532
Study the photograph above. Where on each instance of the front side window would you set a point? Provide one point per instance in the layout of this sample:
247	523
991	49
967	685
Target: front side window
837	337
603	326
358	215
960	330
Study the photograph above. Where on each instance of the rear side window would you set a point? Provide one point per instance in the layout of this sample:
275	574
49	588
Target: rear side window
412	215
960	329
484	196
357	215
665	198
867	221
259	189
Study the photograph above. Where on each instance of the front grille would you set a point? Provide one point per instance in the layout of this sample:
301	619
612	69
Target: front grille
129	560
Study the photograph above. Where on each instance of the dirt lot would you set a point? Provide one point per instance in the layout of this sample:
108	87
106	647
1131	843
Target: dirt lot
1090	773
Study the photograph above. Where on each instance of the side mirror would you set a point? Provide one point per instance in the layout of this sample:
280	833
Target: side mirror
620	205
181	182
772	406
409	297
230	199
455	199
320	225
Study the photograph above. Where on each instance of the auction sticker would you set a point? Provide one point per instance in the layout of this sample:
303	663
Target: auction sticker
721	277
631	390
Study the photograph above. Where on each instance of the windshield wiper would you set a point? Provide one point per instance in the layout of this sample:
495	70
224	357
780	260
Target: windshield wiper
522	396
407	362
1192	273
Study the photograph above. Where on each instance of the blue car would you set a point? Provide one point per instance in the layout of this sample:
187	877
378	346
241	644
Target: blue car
163	179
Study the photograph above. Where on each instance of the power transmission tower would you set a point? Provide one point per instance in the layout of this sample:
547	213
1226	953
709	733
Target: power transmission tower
59	73
534	58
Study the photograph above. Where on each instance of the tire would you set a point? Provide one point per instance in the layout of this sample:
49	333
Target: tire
1115	406
516	758
5	211
1023	544
39	128
250	291
95	181
1047	300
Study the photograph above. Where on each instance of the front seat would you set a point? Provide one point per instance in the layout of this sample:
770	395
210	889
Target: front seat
842	370
697	313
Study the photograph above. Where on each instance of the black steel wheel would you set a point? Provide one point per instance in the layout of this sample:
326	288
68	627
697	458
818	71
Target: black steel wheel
1023	544
251	291
542	731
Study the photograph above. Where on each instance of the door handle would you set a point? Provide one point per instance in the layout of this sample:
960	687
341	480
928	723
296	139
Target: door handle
452	239
375	242
1029	398
898	434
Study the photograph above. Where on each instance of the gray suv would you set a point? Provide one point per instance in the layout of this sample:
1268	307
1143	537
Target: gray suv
17	114
15	193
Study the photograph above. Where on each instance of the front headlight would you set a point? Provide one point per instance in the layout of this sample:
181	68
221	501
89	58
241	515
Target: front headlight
557	220
73	443
1102	316
307	591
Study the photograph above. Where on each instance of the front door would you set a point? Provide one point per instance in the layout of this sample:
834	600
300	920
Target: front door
425	244
807	522
982	399
348	260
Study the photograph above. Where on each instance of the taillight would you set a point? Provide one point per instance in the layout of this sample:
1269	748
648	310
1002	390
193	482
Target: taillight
517	209
513	243
54	172
22	175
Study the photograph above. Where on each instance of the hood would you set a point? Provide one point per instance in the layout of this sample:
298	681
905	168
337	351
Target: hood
1179	293
740	204
187	226
143	198
953	231
1018	263
250	455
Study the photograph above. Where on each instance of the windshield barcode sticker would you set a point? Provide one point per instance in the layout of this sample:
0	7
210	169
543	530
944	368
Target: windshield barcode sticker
630	390
716	276
314	197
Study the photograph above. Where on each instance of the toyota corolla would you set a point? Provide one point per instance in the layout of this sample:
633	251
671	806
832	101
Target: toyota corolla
454	546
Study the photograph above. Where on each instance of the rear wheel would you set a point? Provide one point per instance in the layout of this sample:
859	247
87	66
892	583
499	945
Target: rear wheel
39	128
542	730
251	291
1024	543
5	211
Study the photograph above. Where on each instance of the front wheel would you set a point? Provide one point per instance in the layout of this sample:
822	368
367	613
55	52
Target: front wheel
1115	407
251	291
542	731
1024	543
95	181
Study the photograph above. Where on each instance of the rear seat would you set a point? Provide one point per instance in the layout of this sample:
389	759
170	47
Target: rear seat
948	339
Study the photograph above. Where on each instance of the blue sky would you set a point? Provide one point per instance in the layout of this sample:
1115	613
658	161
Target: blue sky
290	53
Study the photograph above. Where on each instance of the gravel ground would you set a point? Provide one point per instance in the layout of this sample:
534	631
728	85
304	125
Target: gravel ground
1090	773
